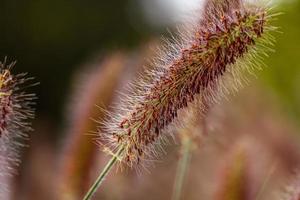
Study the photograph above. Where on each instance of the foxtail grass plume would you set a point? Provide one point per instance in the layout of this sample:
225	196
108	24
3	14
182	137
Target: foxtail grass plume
203	62
15	113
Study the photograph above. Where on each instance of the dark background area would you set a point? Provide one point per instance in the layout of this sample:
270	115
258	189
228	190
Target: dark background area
49	39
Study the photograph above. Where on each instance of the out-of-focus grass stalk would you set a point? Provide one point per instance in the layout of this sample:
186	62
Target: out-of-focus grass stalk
266	181
97	88
235	178
182	168
191	132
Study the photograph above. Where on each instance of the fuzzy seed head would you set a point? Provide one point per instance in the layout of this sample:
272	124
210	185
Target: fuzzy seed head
225	39
15	113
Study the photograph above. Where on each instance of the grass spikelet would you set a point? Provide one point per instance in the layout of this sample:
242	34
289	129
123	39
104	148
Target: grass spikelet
204	62
231	36
15	113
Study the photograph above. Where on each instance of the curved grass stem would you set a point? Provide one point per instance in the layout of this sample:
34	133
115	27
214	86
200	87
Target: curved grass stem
182	168
103	174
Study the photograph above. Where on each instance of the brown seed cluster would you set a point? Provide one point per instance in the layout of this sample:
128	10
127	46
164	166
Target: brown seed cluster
15	112
221	37
15	105
5	99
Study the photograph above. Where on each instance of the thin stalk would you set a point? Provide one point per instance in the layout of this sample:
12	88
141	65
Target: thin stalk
182	168
265	182
103	174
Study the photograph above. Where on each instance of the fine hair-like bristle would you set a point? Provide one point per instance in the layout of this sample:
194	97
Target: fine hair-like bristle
15	113
202	64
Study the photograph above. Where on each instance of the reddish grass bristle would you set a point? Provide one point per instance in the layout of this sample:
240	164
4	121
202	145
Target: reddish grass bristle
15	114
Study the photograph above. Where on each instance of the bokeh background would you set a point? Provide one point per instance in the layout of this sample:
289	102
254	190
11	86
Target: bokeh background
61	42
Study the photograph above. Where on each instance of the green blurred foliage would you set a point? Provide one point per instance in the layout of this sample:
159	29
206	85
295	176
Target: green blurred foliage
283	72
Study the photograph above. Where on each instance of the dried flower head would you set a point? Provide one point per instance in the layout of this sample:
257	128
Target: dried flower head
15	111
199	66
